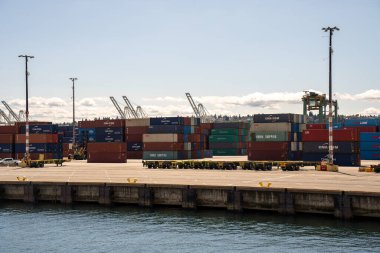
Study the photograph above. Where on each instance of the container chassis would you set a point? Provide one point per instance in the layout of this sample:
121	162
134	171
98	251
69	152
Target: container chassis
41	163
227	165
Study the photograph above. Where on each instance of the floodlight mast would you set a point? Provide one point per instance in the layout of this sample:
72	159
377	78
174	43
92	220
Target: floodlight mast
331	148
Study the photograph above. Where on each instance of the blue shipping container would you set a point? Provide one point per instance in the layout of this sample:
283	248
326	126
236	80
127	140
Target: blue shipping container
40	129
370	145
335	125
155	129
109	130
39	148
6	148
167	121
369	137
361	122
370	155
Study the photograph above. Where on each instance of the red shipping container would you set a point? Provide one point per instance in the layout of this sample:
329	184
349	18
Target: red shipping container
136	130
194	138
37	138
208	126
6	138
262	155
364	129
315	126
351	134
270	146
134	154
6	155
106	147
100	157
134	138
101	123
8	129
163	146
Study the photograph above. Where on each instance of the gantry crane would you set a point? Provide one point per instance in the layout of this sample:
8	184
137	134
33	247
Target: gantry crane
141	113
200	110
313	101
5	117
14	115
129	110
122	114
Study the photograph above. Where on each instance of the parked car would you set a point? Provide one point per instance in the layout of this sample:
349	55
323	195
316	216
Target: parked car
9	161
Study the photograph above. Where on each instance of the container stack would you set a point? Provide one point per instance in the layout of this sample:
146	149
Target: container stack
134	131
206	132
368	129
105	140
229	138
173	138
276	137
67	132
345	145
44	142
7	141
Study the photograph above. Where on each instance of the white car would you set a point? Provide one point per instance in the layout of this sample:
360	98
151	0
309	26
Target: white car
9	162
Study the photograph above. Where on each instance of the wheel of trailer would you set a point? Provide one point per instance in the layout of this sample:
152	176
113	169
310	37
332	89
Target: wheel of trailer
180	165
150	166
283	168
297	168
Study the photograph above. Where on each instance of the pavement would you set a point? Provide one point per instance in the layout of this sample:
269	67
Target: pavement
347	179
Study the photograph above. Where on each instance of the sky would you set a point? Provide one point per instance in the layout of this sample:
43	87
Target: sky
234	57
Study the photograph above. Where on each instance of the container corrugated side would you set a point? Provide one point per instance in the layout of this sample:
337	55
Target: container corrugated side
162	138
272	136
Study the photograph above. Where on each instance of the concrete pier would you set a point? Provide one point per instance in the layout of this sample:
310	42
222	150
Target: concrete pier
345	195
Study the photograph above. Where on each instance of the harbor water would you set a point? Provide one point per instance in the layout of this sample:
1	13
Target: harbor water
92	228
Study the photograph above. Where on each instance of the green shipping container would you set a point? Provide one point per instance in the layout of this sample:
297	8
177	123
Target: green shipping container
224	138
271	136
226	152
162	155
229	131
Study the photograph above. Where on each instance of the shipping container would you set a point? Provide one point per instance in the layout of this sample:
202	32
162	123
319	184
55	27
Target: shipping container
40	156
236	125
109	131
134	155
362	122
6	148
270	146
365	129
370	145
228	152
173	129
137	122
370	155
229	131
7	155
39	148
134	138
263	155
102	123
272	136
275	127
315	135
323	147
316	126
107	147
101	157
275	118
8	129
164	155
40	129
37	138
369	137
167	121
216	145
6	138
166	146
163	138
136	130
226	138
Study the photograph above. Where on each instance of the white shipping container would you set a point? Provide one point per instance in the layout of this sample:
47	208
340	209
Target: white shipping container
271	127
302	127
160	137
294	146
187	146
137	122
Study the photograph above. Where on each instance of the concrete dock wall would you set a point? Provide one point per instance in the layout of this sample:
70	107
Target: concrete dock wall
344	205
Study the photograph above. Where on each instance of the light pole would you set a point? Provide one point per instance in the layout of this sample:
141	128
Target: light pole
73	79
331	148
27	107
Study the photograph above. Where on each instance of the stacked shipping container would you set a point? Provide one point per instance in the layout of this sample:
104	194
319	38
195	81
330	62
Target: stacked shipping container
345	145
173	138
206	132
276	137
105	140
229	138
134	131
67	132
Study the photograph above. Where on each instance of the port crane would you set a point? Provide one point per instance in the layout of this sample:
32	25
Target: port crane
11	112
122	114
200	110
129	111
5	117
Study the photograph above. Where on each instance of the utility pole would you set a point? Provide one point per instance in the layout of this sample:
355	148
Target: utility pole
27	155
73	79
331	148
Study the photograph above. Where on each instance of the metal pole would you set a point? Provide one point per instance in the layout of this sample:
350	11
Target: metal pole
331	147
73	80
27	155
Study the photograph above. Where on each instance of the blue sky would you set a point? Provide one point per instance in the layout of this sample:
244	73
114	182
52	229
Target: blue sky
234	56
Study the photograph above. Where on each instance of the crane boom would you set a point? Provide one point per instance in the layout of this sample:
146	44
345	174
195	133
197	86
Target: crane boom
140	112
11	111
193	105
130	107
2	113
117	107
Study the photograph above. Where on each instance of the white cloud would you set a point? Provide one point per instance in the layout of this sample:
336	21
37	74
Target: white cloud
370	111
166	99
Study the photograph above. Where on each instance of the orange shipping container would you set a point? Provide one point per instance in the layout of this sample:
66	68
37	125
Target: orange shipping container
37	138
